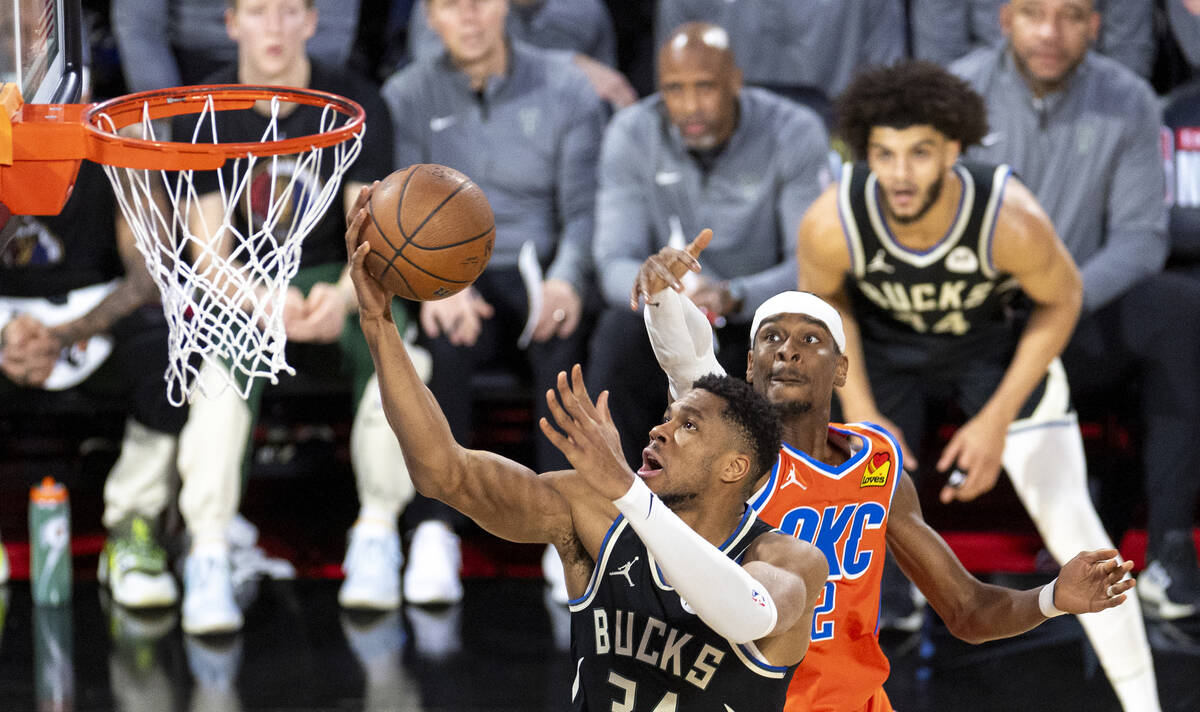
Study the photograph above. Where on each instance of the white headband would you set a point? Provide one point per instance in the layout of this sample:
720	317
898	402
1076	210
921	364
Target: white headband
805	303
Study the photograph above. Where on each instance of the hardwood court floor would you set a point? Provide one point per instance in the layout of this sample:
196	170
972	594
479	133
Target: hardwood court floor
502	649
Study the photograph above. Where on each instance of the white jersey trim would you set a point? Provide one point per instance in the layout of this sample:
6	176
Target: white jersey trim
754	661
943	246
988	229
858	263
839	471
606	547
764	494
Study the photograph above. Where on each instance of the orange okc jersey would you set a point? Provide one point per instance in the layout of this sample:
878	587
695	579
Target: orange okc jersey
842	510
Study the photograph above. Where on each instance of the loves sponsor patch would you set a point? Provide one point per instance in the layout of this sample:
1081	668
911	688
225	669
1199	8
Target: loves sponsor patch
877	470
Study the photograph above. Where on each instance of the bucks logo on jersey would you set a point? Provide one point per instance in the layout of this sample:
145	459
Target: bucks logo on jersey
946	289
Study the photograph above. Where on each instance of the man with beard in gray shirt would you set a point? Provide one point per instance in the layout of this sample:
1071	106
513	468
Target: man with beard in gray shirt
945	30
1083	132
703	152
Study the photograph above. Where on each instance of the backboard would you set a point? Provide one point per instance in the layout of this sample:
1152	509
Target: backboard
40	47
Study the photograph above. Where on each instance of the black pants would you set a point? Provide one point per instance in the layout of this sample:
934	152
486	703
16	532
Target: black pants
1151	335
132	374
454	367
621	361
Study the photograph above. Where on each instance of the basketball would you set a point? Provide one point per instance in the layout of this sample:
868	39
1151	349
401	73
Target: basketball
431	232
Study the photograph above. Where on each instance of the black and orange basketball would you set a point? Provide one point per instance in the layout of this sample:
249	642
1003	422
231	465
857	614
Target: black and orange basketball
431	232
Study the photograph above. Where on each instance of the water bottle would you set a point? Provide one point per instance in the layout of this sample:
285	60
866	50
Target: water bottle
50	544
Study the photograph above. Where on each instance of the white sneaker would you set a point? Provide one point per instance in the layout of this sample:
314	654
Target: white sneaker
556	578
1155	586
434	558
208	603
372	568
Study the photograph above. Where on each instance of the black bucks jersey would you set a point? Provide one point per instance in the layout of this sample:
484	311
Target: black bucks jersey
936	303
639	648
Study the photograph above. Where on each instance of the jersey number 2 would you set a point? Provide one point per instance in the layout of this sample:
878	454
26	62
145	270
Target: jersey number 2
629	687
822	627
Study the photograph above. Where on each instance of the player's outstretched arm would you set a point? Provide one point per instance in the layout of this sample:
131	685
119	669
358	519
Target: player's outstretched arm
503	496
977	612
680	334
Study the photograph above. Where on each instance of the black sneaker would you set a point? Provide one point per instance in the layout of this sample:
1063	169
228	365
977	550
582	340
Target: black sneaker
1169	587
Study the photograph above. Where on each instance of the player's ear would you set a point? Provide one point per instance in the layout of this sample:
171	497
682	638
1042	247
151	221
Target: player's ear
737	467
750	367
840	371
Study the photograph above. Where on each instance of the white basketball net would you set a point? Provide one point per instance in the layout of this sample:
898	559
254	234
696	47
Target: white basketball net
224	295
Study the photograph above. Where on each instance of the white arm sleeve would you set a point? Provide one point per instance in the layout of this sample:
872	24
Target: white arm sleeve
723	594
682	340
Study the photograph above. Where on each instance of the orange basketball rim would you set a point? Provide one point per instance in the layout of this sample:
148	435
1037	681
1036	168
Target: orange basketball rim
41	145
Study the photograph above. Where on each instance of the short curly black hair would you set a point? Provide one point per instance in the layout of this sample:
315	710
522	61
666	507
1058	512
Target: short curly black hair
752	414
909	93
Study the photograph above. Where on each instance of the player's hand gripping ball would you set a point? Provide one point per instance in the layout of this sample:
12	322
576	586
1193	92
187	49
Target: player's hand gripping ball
431	232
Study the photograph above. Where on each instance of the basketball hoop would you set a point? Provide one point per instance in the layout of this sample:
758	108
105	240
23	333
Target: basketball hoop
226	307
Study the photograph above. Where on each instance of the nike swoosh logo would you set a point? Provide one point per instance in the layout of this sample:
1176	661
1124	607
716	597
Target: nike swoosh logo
667	178
441	123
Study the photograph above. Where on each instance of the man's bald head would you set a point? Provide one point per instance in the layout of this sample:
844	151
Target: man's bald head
697	43
699	83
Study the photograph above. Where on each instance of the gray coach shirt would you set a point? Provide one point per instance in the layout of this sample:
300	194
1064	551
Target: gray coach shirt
774	166
944	30
815	43
529	140
1090	153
